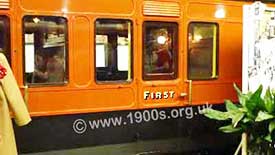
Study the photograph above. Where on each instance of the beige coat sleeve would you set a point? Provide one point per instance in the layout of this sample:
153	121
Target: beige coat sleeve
13	95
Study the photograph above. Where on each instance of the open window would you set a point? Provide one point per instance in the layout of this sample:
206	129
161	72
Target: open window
45	50
202	51
160	49
5	37
113	50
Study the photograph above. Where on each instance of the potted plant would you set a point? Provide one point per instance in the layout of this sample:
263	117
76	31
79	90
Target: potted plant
253	117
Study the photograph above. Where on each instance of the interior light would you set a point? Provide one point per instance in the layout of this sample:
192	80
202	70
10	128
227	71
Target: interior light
197	38
64	10
36	20
220	12
161	39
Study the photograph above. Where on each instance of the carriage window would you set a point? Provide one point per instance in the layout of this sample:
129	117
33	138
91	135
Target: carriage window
160	50
202	51
5	37
113	50
45	50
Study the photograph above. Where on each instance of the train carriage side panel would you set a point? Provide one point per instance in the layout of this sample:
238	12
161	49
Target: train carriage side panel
229	46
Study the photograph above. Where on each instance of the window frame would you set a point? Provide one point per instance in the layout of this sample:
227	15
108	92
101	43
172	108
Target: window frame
217	51
132	53
9	55
161	76
66	58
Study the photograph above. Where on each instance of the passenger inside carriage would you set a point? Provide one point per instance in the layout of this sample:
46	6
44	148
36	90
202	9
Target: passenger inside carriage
45	51
162	59
39	75
160	50
161	54
48	69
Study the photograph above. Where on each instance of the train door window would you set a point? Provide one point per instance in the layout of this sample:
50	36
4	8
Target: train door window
202	51
5	37
45	50
160	49
113	46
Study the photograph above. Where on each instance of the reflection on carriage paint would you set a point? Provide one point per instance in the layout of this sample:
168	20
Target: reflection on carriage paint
259	55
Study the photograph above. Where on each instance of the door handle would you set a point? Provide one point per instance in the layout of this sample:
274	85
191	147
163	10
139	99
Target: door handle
183	94
189	91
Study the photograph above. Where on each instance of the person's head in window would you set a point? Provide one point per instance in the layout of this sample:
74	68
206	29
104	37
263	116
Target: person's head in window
55	65
161	55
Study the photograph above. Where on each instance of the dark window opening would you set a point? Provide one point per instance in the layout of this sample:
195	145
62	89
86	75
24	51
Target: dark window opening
160	50
113	50
45	50
202	51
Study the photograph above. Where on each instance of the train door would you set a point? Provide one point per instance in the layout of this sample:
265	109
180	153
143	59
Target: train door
202	57
213	51
114	61
162	66
160	59
45	57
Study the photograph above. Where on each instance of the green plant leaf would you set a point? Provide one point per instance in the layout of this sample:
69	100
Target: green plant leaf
251	109
230	105
254	101
215	114
239	92
229	129
271	126
236	117
241	97
272	91
262	116
257	94
268	138
246	120
269	101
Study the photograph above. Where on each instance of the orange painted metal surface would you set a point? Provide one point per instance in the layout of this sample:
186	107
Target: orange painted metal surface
81	46
82	94
88	6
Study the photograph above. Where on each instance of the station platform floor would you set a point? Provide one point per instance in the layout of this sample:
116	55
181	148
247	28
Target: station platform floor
175	146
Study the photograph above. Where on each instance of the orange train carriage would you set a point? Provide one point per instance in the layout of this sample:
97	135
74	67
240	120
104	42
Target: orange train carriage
79	57
90	56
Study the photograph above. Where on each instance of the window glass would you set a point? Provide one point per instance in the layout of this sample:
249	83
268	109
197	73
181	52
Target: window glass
45	50
113	50
160	50
5	37
202	51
